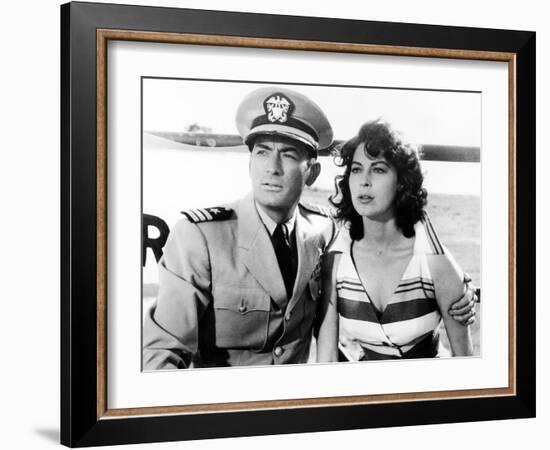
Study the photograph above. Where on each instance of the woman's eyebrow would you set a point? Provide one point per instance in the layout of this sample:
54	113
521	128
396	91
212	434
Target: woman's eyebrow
356	163
381	161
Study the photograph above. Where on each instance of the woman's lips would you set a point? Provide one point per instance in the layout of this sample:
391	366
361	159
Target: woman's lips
365	199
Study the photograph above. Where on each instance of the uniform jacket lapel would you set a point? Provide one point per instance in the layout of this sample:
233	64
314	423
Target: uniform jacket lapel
307	242
257	251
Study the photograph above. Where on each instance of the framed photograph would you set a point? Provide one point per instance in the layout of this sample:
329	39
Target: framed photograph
279	224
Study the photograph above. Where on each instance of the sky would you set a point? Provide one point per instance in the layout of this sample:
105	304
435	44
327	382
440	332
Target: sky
422	116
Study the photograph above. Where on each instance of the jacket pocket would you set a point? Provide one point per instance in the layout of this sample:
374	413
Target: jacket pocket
241	317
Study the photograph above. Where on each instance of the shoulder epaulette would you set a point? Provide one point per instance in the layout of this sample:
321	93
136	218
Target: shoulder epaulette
207	214
318	209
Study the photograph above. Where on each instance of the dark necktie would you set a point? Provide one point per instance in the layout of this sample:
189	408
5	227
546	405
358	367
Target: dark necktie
286	257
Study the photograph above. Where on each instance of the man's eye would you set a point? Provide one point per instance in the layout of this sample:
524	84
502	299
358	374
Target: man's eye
291	156
260	152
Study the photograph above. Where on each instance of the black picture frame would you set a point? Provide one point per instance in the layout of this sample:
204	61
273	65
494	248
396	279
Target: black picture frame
82	422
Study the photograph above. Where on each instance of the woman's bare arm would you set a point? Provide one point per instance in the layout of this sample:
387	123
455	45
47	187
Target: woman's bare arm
327	340
449	287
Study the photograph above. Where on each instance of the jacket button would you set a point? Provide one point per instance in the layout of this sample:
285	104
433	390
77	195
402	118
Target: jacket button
278	351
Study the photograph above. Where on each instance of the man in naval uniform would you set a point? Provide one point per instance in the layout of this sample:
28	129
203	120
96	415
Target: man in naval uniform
239	284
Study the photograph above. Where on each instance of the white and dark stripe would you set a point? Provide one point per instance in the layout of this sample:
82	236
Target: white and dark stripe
433	239
409	325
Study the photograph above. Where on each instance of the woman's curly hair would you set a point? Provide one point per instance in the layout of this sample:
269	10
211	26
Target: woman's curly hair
411	198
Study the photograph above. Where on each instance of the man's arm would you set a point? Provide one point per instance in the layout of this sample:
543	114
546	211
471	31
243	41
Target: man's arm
171	327
463	310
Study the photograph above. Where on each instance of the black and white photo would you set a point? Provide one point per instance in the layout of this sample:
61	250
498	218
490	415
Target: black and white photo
241	187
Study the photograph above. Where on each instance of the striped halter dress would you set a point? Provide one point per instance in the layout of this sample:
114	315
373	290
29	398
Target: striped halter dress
409	325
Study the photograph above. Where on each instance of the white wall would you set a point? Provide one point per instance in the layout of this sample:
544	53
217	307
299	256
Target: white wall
29	177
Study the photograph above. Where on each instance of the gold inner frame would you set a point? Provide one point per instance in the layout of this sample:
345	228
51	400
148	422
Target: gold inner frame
104	35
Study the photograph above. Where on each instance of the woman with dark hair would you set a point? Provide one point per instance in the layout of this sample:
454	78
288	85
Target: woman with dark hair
388	281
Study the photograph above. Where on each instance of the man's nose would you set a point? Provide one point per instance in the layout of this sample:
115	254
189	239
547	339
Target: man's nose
274	165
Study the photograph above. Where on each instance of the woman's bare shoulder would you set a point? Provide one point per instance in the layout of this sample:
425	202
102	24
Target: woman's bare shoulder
447	276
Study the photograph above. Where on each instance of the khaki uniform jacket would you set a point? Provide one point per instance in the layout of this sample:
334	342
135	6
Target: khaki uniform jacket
222	299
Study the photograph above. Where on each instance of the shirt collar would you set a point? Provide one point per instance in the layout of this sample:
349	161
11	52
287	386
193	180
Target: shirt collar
270	224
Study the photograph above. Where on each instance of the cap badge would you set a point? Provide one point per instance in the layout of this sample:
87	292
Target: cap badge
278	108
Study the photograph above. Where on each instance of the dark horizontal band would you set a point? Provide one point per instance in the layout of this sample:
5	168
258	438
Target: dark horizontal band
290	122
394	312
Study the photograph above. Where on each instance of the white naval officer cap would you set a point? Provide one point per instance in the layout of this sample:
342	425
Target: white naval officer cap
279	111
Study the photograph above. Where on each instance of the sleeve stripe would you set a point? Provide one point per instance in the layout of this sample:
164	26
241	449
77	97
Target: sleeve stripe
194	215
206	214
200	213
